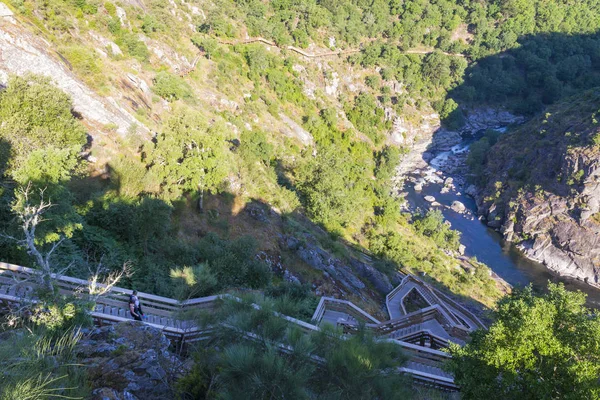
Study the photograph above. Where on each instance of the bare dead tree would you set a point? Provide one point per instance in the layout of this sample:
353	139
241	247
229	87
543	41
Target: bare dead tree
102	280
30	217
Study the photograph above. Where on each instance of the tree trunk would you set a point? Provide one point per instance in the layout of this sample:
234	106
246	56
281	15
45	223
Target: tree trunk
201	201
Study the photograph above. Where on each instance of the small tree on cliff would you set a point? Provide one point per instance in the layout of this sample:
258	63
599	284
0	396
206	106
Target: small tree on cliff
189	155
540	347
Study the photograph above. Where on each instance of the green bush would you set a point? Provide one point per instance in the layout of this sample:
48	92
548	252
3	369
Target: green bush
367	116
255	147
433	226
234	263
39	366
353	367
373	81
130	43
110	8
61	315
206	44
36	115
150	25
537	345
171	87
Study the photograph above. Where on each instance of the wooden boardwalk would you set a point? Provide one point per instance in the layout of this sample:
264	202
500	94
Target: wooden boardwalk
419	333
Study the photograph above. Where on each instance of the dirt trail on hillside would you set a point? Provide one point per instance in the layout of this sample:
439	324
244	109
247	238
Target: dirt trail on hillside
323	54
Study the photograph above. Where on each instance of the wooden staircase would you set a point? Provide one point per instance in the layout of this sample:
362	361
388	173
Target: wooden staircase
18	287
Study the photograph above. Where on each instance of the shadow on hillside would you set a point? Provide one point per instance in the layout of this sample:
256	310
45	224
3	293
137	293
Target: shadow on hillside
543	69
540	71
159	237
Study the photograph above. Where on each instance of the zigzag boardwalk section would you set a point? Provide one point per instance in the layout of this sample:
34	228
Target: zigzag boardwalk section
421	333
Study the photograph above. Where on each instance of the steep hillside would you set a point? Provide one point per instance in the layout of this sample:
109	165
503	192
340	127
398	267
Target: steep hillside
543	187
299	147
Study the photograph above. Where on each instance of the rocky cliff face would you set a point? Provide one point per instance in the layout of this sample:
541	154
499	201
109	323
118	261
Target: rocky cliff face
350	273
22	52
543	188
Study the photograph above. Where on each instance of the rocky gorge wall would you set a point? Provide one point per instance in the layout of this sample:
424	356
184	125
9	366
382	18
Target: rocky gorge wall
23	52
542	188
551	210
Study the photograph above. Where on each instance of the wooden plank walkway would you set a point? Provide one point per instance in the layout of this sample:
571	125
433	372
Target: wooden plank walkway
163	313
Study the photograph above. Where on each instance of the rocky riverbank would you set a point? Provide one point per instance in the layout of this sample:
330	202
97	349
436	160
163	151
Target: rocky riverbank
543	189
440	158
540	225
552	212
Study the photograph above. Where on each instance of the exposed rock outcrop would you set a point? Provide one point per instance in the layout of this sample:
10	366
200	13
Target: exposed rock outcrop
346	273
561	243
129	361
543	188
23	52
295	130
415	137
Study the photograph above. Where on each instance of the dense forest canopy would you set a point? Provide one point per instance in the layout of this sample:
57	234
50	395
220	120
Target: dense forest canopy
539	347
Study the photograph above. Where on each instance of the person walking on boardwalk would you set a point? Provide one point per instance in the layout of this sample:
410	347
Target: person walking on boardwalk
135	308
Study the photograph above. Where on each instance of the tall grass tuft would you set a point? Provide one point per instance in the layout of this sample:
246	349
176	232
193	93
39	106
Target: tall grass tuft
38	365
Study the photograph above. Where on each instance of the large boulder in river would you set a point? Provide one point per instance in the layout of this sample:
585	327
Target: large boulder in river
458	207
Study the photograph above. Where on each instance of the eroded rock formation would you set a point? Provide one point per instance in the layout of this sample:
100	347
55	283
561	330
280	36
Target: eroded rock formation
543	188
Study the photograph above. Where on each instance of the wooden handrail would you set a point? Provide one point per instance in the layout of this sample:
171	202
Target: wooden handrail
347	307
167	308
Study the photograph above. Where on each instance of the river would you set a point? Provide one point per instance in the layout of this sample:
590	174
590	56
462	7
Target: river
479	240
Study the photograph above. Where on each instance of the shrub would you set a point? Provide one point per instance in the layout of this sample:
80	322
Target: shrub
150	25
254	147
39	366
537	344
35	114
110	8
433	226
234	263
133	46
171	87
373	81
206	44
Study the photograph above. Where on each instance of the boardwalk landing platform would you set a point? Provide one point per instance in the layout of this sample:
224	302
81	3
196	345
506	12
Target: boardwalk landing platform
421	333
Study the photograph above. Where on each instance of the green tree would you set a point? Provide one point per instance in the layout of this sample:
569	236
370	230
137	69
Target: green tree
189	155
171	87
324	365
42	140
433	225
233	263
539	347
334	189
36	115
206	44
355	367
367	116
436	69
255	147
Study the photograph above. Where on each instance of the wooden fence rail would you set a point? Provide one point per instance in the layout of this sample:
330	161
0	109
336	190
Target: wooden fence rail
17	286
